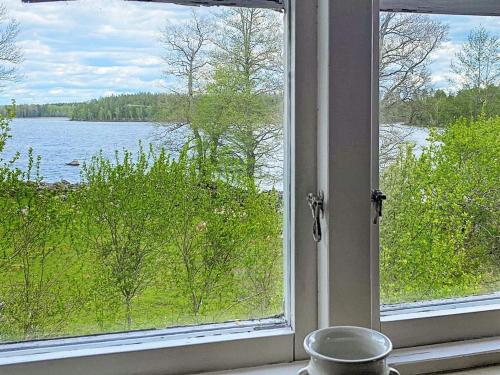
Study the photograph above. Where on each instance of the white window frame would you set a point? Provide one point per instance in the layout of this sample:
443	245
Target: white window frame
447	320
232	345
332	56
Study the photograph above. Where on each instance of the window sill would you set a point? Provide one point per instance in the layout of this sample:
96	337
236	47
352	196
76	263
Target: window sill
447	321
412	361
180	354
448	356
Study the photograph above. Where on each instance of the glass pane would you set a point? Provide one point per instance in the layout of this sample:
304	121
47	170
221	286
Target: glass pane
141	178
439	156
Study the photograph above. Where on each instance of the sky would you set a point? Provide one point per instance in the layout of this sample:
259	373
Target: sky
78	50
459	28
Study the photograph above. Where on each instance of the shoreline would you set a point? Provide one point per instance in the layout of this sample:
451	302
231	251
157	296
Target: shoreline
78	120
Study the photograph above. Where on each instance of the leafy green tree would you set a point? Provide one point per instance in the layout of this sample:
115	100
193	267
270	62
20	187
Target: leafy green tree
247	69
37	295
118	221
262	267
440	230
224	112
202	244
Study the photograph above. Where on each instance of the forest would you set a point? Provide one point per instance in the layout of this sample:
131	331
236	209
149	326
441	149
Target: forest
437	108
124	107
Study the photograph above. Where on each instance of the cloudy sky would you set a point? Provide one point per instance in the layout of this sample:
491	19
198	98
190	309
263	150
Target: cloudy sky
75	51
460	27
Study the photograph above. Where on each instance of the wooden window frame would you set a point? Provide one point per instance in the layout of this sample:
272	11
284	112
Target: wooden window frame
332	113
268	4
444	321
221	346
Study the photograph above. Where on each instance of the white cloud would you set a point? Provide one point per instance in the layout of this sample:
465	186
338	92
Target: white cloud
147	61
79	50
88	48
34	48
442	77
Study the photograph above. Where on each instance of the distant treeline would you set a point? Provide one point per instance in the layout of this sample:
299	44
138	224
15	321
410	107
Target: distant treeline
43	110
129	107
437	108
126	107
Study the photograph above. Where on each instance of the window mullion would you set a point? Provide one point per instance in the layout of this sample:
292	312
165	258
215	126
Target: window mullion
344	153
302	111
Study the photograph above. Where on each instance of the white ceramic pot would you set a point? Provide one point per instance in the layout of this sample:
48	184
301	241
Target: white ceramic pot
347	350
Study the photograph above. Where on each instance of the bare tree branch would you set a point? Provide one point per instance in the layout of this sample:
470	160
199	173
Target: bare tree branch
477	64
406	42
10	54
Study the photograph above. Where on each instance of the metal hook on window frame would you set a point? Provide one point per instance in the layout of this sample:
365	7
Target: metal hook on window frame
316	204
377	198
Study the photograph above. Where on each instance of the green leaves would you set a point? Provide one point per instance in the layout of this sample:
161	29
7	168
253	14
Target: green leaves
145	241
440	228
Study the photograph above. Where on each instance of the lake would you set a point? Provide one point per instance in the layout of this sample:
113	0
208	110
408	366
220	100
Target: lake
59	141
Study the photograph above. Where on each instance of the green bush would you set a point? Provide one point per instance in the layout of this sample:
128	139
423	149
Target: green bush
439	236
145	241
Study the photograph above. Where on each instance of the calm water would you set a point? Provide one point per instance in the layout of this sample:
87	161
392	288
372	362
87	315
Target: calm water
59	141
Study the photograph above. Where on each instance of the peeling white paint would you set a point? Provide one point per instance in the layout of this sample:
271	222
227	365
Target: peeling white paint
272	4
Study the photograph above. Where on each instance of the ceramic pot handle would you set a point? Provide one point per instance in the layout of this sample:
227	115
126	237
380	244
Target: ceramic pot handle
303	371
393	371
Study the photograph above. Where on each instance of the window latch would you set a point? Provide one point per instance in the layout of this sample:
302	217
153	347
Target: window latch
316	203
378	197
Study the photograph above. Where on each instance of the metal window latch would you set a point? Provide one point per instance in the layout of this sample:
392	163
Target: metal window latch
377	198
316	203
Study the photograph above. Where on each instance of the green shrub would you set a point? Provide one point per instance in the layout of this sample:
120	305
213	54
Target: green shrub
440	228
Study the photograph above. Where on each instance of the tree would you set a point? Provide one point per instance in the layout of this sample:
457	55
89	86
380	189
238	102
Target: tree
117	224
477	64
205	241
251	42
439	235
38	288
10	54
249	47
247	71
186	57
10	112
406	43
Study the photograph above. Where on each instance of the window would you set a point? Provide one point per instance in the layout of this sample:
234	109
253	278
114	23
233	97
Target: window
276	331
97	252
438	156
331	145
438	236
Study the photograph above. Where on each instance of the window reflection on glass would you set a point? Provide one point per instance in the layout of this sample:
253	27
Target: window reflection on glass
439	156
141	169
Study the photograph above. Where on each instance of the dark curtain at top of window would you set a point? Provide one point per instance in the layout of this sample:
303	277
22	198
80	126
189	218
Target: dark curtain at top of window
273	4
